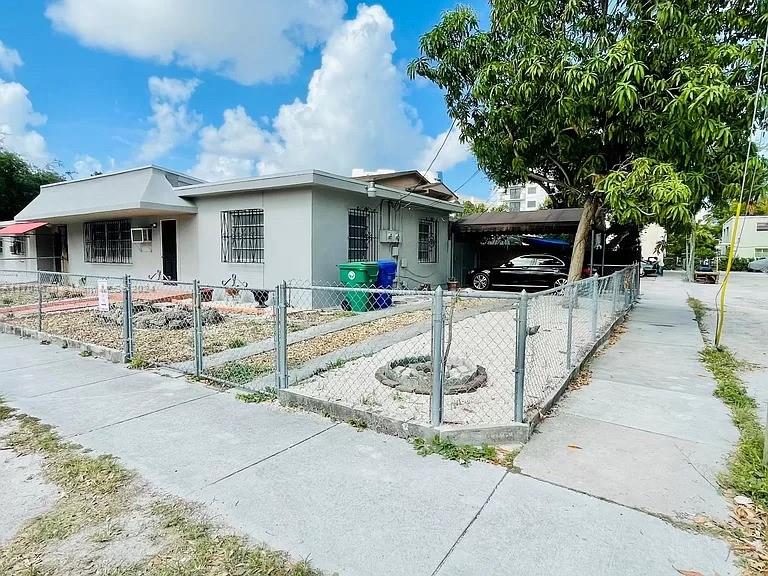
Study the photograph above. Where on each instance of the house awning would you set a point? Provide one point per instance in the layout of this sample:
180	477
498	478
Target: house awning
557	221
20	228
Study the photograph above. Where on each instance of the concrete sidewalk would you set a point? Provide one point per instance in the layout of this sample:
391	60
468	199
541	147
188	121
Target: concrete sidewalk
361	503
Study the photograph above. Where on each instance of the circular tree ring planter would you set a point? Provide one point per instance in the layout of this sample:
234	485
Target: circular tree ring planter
414	374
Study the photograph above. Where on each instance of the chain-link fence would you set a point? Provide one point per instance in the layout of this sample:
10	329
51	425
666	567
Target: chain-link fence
466	358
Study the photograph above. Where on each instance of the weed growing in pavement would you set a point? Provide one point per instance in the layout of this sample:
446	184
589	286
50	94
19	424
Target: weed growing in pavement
236	343
239	372
462	453
138	362
699	311
86	353
357	423
267	395
746	473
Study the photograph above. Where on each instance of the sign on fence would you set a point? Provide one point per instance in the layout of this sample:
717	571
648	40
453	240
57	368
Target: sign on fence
102	290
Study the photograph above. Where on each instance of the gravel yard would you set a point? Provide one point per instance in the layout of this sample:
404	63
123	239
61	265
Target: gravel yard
488	340
166	346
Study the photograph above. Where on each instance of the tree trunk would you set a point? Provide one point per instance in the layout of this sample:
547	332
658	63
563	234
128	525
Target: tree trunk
580	242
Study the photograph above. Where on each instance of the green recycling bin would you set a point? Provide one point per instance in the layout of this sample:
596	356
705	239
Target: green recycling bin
361	275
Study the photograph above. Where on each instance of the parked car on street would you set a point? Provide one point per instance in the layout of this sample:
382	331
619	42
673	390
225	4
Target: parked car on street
759	265
649	268
530	271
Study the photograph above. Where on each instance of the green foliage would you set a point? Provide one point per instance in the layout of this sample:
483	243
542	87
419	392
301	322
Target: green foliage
470	207
258	396
20	183
462	453
236	343
138	362
738	264
643	108
358	424
746	473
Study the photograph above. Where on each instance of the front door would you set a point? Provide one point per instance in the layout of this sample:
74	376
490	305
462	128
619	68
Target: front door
168	236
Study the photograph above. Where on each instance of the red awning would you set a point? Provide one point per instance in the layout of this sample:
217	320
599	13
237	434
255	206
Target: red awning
20	228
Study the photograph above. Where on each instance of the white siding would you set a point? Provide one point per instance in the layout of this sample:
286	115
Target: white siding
27	261
754	242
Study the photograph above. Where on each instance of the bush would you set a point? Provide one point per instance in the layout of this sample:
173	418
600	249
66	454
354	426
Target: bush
738	264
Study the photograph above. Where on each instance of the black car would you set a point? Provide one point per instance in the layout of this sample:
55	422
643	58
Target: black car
528	271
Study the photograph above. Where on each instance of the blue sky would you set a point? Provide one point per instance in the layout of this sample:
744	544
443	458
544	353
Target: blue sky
223	90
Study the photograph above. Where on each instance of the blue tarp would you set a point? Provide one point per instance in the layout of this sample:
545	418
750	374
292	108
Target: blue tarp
546	242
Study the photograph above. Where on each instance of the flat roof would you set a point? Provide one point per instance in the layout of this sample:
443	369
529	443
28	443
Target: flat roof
316	178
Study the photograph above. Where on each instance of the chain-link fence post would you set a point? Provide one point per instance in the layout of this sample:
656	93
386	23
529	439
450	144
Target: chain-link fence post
39	301
197	320
637	279
595	304
573	292
281	335
438	325
615	286
127	319
520	341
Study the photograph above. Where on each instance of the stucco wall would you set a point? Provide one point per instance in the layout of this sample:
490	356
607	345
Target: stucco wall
146	259
287	237
330	236
27	261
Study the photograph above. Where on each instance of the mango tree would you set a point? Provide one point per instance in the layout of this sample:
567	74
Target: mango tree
637	110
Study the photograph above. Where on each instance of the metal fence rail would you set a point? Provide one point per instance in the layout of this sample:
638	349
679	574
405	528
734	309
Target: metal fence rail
432	357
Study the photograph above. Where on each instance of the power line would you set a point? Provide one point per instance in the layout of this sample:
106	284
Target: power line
475	173
734	239
440	149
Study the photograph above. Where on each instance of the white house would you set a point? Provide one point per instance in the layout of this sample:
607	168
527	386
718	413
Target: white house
753	231
150	221
30	246
519	197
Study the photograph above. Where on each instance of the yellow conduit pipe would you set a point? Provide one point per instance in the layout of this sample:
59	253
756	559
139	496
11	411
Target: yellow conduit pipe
724	288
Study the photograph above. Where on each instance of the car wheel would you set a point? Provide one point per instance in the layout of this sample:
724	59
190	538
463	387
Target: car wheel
560	282
481	281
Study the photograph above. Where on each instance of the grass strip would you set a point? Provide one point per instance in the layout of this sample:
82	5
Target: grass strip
96	491
746	473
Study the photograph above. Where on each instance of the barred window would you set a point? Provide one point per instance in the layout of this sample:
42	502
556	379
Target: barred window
428	240
19	246
762	227
242	236
107	242
361	232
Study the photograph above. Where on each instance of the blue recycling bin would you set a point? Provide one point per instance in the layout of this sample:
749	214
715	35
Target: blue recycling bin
385	279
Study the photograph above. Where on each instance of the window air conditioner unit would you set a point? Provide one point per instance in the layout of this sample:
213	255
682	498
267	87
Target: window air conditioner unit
141	235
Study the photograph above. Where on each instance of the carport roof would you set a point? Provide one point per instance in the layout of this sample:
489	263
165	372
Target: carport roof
560	221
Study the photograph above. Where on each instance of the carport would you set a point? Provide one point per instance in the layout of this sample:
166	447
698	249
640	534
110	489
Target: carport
489	238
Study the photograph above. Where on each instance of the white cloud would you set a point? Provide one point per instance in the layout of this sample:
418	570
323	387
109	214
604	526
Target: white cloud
453	152
247	40
172	121
86	165
17	118
9	59
354	116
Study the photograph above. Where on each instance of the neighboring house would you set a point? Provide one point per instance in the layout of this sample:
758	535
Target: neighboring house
753	231
519	197
150	221
650	236
30	246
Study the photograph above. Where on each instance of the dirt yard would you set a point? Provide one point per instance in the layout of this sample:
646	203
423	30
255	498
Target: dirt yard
70	513
167	346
